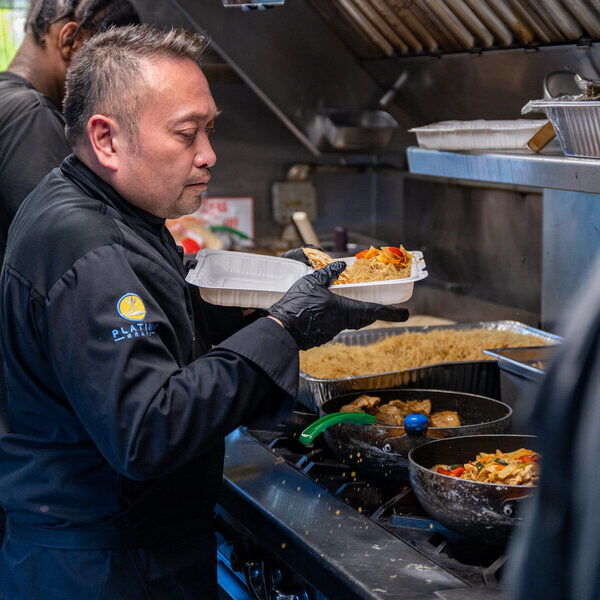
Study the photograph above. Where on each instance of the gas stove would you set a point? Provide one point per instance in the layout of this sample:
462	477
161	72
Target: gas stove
343	535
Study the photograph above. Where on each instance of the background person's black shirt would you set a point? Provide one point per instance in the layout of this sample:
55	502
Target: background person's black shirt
32	143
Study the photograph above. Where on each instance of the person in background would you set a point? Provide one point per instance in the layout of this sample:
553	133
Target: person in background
122	383
556	552
33	140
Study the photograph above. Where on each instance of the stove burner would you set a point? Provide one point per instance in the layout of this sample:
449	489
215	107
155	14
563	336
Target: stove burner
390	506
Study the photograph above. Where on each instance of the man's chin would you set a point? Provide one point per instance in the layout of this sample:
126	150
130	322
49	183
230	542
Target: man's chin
189	206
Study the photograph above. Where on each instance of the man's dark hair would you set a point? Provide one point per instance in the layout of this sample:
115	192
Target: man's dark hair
107	75
93	15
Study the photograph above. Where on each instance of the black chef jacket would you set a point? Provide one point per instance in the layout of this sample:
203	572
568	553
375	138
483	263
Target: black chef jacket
556	554
118	405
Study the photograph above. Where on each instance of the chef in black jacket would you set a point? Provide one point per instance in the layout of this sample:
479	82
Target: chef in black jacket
121	382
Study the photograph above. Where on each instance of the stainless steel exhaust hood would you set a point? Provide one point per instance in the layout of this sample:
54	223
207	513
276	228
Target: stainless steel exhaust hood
308	59
250	4
411	27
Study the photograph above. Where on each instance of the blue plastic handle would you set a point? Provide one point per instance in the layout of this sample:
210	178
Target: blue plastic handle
416	423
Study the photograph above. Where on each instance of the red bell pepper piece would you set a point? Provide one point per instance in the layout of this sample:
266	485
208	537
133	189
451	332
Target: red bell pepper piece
529	458
361	254
443	471
457	472
189	245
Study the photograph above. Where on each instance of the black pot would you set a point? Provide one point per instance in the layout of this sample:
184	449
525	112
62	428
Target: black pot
485	511
381	450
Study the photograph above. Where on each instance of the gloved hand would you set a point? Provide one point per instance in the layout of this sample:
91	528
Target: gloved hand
298	254
313	314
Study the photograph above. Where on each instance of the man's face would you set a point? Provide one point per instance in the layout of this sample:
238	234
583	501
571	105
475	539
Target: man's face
168	168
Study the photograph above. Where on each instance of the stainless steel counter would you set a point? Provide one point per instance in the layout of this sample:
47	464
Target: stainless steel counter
548	170
318	535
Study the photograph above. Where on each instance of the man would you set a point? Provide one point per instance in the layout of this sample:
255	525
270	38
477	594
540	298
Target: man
32	89
118	405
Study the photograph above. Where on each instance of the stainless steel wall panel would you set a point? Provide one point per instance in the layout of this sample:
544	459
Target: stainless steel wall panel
571	243
483	243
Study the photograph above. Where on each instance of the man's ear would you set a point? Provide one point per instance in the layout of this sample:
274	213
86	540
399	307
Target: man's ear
102	134
67	43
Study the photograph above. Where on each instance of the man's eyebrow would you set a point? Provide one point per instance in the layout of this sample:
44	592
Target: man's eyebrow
195	116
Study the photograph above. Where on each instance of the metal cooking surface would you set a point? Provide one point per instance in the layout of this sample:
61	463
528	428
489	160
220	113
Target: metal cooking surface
335	547
347	536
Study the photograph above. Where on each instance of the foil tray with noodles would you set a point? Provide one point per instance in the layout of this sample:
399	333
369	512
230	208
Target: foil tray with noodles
471	376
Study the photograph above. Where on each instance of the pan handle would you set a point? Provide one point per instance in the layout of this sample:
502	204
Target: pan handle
512	506
416	423
415	426
308	436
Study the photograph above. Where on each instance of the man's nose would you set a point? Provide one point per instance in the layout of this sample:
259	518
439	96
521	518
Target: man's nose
205	155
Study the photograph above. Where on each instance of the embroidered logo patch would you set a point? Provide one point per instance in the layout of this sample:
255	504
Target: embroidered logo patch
131	307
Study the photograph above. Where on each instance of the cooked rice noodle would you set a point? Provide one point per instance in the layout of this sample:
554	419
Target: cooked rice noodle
370	269
408	350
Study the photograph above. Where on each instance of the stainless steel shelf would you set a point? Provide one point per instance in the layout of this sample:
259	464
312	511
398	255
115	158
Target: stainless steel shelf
549	170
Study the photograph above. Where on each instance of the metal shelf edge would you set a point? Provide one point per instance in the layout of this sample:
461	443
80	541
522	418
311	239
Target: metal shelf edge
554	171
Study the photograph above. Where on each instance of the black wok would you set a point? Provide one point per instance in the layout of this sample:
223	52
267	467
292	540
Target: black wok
486	511
381	450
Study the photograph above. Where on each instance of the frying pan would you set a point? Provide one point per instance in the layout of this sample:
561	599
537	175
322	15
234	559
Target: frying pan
381	450
486	511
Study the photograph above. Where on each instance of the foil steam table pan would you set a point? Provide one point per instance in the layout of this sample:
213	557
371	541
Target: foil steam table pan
475	377
576	123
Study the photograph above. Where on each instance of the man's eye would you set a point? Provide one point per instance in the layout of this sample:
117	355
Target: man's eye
187	135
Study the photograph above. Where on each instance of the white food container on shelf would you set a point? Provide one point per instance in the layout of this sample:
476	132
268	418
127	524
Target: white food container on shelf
257	281
576	122
477	135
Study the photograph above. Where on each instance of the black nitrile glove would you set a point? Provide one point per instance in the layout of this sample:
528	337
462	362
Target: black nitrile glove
298	253
313	314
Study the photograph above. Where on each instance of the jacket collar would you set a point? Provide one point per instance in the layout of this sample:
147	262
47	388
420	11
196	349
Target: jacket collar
75	170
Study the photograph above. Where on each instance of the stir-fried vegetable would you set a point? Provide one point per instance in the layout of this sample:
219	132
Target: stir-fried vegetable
519	467
390	255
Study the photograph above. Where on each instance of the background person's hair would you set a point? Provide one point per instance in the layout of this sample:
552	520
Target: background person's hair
107	75
92	15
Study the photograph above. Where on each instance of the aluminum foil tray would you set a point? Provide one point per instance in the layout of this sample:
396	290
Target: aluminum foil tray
475	377
576	122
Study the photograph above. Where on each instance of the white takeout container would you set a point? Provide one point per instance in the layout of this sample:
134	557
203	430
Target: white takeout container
257	281
477	135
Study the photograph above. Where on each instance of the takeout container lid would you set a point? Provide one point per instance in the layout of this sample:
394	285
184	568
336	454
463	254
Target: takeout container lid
480	134
576	122
257	281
